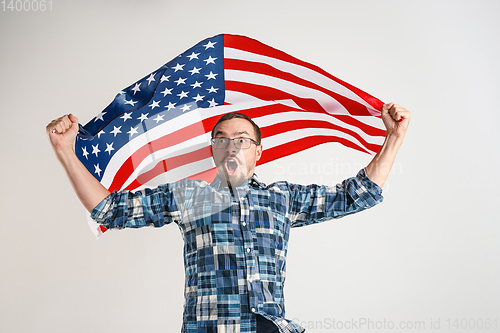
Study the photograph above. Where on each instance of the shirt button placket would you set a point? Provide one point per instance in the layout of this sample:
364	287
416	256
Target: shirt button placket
250	258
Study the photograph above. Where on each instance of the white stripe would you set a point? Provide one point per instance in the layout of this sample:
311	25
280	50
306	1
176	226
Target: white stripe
180	173
299	71
237	97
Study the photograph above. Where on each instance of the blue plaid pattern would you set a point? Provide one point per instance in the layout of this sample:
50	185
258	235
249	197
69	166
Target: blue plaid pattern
235	240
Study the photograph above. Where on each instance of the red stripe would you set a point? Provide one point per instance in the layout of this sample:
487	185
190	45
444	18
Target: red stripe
353	107
207	175
251	45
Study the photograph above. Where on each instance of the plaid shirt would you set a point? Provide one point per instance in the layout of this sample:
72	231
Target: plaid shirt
235	240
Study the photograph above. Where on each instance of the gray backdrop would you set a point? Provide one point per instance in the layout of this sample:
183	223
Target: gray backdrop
427	259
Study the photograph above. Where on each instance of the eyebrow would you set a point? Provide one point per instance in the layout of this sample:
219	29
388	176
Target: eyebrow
239	133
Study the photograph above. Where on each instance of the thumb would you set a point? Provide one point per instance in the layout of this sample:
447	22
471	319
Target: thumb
73	119
386	107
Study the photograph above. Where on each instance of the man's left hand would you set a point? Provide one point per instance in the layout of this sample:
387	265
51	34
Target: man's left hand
396	119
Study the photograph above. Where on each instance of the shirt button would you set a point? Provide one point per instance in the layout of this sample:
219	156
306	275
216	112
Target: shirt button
244	223
248	249
253	309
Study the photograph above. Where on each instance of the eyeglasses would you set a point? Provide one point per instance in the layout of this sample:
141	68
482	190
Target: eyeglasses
239	143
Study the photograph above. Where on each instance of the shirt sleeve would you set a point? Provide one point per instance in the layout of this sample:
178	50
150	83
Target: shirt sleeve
314	203
126	209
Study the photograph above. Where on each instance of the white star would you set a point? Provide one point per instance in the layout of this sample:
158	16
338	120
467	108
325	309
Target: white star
211	76
170	106
195	70
143	116
95	149
196	85
100	133
198	98
126	116
99	116
181	80
85	153
151	78
210	60
166	92
136	88
212	103
183	94
185	108
116	130
209	45
133	130
159	118
97	170
164	78
131	102
154	104
193	56
212	90
178	67
109	148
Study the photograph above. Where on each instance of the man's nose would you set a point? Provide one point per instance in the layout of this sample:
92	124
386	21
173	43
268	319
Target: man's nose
231	148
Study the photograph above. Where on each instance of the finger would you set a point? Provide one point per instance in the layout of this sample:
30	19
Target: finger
73	118
393	111
401	113
63	124
386	107
60	128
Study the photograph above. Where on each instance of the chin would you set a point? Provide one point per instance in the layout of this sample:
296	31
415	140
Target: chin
236	180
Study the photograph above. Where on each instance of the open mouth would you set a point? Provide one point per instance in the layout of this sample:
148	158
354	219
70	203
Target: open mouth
231	166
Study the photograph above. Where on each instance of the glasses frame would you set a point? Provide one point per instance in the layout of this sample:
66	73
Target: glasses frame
234	142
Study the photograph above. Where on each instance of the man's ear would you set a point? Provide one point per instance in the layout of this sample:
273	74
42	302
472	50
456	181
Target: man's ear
211	152
258	152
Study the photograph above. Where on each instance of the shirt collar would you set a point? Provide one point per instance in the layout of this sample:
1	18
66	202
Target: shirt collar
253	182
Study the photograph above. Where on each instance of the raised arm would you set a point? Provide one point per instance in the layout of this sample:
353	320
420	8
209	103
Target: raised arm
396	119
62	133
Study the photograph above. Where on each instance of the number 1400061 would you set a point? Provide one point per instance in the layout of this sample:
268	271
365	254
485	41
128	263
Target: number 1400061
27	5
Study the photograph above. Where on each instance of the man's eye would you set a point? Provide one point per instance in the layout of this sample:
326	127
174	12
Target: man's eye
222	140
242	140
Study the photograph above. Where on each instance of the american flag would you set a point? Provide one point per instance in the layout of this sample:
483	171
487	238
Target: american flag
157	130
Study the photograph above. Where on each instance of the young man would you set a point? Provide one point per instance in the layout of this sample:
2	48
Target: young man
236	228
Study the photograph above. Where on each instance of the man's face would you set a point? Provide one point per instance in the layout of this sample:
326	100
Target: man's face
233	164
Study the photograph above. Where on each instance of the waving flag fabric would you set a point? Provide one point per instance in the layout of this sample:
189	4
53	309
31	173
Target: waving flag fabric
157	130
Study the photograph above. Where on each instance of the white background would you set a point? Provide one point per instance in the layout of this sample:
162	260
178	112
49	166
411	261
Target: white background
428	254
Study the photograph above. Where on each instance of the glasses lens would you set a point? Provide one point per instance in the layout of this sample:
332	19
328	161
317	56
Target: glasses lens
242	143
239	143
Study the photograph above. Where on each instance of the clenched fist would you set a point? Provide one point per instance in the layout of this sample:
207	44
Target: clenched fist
62	132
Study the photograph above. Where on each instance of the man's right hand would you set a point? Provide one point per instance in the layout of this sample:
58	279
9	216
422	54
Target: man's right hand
62	132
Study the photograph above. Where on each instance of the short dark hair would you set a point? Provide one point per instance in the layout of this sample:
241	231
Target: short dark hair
232	115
